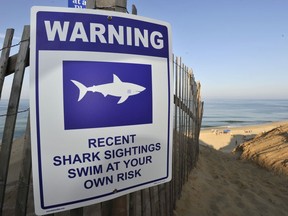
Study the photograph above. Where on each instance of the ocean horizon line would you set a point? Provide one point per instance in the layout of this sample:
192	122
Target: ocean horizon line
227	113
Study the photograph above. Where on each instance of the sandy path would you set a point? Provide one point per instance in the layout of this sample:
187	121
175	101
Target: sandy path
223	185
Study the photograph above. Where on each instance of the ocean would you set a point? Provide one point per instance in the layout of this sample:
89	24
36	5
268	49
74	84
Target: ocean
217	113
233	113
21	117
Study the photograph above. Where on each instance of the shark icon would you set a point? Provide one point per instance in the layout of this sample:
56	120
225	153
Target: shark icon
117	89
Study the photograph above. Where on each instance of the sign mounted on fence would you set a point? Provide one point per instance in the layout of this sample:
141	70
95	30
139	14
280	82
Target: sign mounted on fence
101	106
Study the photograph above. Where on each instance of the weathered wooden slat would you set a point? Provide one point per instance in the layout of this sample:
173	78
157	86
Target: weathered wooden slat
184	87
25	174
134	9
12	113
168	206
154	199
184	124
90	4
146	204
190	123
187	123
63	213
178	62
174	167
181	157
162	199
12	63
106	208
174	158
76	212
113	5
119	206
135	203
5	56
93	209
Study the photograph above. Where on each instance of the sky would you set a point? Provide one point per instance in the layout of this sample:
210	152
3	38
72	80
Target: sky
237	49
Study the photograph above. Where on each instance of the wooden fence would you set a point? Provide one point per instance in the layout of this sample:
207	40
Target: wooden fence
16	197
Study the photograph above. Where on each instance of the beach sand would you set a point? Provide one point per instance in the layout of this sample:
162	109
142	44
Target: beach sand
224	184
226	142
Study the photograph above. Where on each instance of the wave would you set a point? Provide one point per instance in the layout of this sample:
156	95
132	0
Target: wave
232	123
21	121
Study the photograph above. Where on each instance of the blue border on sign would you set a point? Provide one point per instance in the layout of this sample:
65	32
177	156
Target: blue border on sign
94	32
38	48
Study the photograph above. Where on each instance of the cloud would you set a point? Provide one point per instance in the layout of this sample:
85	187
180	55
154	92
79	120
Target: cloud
17	38
2	36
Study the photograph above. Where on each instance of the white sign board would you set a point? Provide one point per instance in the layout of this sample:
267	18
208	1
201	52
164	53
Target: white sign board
101	106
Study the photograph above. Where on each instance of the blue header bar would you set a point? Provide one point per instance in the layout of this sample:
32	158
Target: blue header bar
101	33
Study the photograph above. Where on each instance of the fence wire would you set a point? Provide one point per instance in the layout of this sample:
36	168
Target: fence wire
14	45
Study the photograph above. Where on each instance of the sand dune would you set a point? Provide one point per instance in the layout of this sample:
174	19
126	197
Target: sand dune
222	184
269	150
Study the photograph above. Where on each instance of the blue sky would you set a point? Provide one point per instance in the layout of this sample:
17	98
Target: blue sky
236	48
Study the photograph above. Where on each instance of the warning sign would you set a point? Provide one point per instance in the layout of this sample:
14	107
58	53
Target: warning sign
101	106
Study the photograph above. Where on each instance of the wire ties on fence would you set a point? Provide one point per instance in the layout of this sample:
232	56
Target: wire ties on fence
181	66
14	45
21	111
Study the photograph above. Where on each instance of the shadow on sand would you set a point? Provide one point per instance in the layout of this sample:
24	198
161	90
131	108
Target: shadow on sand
235	140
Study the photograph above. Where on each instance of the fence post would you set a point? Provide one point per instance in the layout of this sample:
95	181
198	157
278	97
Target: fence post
112	5
5	56
134	10
12	112
25	174
119	205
